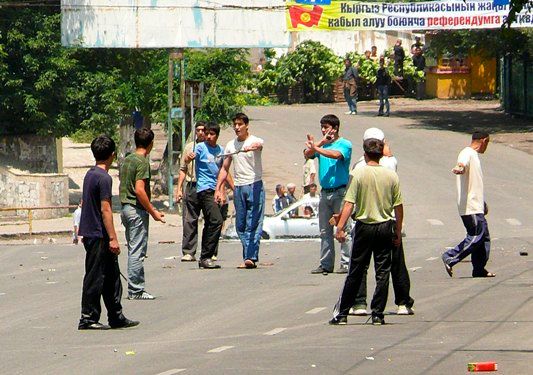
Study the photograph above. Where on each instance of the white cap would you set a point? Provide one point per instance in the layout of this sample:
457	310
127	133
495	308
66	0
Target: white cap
373	133
290	185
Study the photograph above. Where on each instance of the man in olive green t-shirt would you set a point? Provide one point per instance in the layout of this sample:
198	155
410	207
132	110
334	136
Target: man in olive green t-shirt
375	192
135	195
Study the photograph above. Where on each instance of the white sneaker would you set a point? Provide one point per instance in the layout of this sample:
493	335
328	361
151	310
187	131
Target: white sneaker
348	113
214	258
358	312
404	310
188	258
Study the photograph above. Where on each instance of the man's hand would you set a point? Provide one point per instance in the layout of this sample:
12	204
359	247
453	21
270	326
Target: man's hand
328	136
458	169
340	235
253	147
220	197
190	156
158	216
397	241
114	246
334	220
178	196
310	143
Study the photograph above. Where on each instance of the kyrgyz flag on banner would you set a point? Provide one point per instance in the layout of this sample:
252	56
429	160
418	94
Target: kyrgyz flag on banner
305	16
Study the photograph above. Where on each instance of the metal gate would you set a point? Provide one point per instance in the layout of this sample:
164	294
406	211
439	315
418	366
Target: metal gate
517	85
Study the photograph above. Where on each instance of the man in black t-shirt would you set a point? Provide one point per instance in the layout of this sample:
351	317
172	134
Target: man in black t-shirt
102	273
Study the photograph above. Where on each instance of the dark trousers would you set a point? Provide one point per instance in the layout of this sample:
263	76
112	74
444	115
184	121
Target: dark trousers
368	240
400	281
398	67
224	212
212	223
102	279
476	243
191	212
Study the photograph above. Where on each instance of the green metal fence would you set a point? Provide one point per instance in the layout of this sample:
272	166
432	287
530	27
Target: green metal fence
517	85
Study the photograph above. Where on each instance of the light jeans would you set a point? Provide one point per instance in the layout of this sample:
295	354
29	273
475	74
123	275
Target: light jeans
331	203
249	211
135	221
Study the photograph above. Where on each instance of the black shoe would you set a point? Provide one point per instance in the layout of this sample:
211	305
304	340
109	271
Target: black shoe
126	323
208	264
339	320
319	269
377	321
380	114
448	268
93	326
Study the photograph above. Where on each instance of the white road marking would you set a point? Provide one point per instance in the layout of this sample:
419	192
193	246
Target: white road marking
172	372
169	258
513	221
435	222
275	331
414	268
2	294
316	310
51	282
220	349
432	258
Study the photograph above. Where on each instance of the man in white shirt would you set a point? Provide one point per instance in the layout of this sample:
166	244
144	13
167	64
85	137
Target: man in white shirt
249	194
309	173
472	208
76	219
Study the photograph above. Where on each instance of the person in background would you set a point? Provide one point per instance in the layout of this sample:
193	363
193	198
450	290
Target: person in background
349	80
374	53
76	216
399	57
419	61
416	44
309	174
280	201
383	81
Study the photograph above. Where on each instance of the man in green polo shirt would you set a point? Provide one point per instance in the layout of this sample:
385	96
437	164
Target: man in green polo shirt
136	206
375	192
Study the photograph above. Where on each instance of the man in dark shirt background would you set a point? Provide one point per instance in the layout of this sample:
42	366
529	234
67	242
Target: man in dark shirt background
399	57
383	81
102	273
419	61
349	80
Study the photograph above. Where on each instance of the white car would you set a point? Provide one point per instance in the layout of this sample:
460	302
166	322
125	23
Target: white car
286	225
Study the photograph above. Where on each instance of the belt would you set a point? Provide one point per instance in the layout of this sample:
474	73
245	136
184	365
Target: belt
331	190
191	183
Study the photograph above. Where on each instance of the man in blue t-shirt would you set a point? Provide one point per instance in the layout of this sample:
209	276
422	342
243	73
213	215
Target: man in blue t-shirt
207	166
102	273
334	154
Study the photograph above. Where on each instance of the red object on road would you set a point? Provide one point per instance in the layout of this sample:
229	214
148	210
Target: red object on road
482	366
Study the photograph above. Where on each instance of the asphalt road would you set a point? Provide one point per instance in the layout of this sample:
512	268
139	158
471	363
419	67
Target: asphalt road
273	319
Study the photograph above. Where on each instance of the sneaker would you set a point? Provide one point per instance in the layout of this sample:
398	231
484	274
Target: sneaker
338	320
142	295
188	258
342	269
448	268
214	258
404	310
353	113
377	321
348	113
126	323
359	311
92	326
208	264
319	270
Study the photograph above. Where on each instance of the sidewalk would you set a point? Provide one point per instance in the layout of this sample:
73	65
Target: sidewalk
60	231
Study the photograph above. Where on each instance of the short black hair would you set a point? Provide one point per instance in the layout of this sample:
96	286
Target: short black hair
479	134
312	184
330	120
373	148
102	147
212	126
200	123
143	137
241	116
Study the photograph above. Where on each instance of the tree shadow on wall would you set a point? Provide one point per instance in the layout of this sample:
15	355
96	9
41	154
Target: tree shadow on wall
491	120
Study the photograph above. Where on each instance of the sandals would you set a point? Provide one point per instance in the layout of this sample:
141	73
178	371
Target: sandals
248	264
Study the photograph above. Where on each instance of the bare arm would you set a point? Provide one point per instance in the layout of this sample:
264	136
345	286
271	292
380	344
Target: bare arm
145	202
178	194
107	217
316	148
220	194
347	209
459	168
398	213
229	182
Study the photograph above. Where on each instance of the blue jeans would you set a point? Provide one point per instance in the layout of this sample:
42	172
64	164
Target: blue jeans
249	211
476	243
383	92
135	221
350	100
331	203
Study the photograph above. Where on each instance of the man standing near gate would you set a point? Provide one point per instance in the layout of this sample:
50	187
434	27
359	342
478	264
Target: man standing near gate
349	80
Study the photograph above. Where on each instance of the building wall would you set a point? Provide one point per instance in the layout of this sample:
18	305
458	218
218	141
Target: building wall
33	190
30	152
